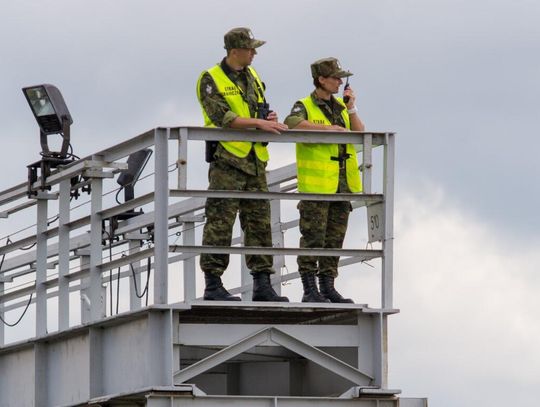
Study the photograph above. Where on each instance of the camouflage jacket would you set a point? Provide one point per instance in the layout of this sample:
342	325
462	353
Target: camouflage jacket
221	115
331	109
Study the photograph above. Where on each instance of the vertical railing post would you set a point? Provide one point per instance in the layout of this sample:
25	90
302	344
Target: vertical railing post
245	276
161	247
277	234
182	158
63	255
2	315
96	249
190	285
41	264
367	163
380	349
388	242
188	228
134	300
84	261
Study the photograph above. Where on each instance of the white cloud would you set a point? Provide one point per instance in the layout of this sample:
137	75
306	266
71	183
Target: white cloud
469	299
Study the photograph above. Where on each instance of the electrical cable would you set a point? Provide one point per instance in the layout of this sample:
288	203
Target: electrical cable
145	291
28	247
8	241
22	315
87	202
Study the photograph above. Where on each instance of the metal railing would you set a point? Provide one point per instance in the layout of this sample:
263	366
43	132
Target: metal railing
48	270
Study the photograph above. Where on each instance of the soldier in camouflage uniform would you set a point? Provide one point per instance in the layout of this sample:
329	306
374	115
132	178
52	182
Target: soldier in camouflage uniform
325	168
231	95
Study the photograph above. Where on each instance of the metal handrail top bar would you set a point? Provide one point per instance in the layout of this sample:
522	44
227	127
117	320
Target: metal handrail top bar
363	253
288	136
367	198
146	139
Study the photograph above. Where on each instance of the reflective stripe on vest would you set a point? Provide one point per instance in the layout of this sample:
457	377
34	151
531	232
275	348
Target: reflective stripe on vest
317	172
233	97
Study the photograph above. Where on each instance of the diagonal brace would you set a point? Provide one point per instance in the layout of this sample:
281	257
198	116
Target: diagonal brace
319	357
222	356
279	337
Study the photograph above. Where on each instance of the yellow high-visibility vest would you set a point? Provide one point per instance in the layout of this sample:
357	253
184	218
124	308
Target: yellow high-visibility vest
233	96
317	172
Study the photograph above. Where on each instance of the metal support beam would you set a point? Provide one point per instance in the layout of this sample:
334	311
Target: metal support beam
278	239
135	280
96	249
319	357
41	268
2	315
188	229
363	254
63	255
160	352
190	286
380	351
182	160
281	338
362	199
41	369
388	242
95	360
161	181
222	356
367	164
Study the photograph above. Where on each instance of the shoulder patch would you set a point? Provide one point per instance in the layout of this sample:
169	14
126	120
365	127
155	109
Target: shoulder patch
296	109
209	89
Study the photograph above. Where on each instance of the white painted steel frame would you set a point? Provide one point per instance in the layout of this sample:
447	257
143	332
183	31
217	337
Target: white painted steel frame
160	354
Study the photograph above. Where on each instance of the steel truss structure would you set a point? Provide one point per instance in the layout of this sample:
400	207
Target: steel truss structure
185	351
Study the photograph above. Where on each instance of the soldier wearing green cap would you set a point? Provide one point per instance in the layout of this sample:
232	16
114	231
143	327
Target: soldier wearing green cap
231	95
327	169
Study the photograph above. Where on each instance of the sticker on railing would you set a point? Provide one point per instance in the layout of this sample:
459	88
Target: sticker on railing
375	217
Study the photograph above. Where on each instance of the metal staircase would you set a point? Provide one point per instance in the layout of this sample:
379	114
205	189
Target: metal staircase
180	350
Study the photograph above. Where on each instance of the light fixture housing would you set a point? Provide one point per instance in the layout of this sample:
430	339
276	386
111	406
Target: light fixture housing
127	178
51	113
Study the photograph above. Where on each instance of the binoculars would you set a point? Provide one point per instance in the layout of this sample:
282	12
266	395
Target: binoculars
263	110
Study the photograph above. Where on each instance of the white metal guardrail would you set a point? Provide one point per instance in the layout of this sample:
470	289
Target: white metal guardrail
72	256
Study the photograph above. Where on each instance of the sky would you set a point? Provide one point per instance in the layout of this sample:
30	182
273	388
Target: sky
459	83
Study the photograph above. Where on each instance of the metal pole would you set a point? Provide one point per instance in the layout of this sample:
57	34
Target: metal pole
41	266
190	284
2	315
84	261
245	276
188	229
161	249
367	164
134	301
388	242
380	350
96	248
63	255
277	235
182	158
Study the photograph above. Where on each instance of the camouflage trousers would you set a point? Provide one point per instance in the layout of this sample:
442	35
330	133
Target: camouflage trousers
323	224
221	215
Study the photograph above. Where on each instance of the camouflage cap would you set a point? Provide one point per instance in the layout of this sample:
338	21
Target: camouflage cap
241	37
328	67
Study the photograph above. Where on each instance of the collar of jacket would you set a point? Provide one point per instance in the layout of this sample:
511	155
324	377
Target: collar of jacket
324	105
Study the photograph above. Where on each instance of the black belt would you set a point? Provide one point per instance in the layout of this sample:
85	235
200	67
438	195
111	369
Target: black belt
342	159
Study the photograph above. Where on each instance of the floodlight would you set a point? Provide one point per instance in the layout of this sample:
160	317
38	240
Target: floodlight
52	116
136	163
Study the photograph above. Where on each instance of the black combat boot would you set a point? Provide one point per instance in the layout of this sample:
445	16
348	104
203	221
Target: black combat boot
326	284
215	291
262	289
311	293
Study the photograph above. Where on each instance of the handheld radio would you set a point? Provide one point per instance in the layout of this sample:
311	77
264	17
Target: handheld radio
346	98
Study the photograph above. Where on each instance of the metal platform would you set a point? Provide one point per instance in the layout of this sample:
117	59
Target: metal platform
183	351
